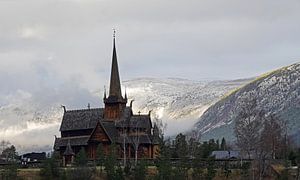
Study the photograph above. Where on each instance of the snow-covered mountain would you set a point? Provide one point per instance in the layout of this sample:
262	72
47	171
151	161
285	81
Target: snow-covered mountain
178	102
27	123
277	93
31	119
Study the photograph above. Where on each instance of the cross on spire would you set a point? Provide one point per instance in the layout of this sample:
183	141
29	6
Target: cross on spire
114	33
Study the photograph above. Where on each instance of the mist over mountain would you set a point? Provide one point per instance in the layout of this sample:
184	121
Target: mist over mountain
277	93
37	115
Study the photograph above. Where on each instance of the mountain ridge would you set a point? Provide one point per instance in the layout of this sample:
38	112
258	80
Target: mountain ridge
276	91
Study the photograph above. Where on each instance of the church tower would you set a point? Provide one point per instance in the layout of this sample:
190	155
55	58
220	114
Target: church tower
114	103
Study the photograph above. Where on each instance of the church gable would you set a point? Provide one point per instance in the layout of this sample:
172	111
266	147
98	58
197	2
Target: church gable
99	134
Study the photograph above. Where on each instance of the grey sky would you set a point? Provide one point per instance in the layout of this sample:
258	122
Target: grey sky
57	51
58	40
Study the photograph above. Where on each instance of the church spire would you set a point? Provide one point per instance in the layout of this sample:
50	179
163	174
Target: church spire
115	85
114	103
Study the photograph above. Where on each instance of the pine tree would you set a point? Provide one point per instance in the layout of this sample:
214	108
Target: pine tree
223	144
110	163
181	147
100	156
211	172
140	170
81	158
50	168
10	172
163	162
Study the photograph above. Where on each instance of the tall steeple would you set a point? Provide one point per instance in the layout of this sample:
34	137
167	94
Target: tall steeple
114	103
115	85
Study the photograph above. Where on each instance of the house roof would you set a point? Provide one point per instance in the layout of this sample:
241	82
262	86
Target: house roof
81	119
140	121
87	118
225	154
34	155
74	141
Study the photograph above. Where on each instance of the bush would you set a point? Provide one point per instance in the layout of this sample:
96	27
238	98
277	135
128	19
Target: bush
140	170
245	169
49	169
211	172
81	158
10	172
80	173
198	173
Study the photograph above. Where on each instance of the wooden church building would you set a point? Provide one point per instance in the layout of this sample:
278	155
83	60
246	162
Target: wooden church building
133	134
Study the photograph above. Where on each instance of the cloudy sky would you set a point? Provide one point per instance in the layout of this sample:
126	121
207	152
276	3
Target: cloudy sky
59	51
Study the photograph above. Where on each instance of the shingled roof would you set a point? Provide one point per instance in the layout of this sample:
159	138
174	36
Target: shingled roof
74	141
110	130
81	119
87	118
140	121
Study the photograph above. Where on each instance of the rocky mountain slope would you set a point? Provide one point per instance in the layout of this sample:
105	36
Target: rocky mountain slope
277	92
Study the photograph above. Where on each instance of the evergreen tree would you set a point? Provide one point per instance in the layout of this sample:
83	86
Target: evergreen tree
81	158
208	147
10	172
181	146
110	163
211	172
180	170
100	156
49	168
197	166
193	147
163	162
292	156
223	144
140	170
119	175
217	145
9	153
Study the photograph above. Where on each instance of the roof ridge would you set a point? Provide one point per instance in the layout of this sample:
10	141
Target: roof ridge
74	137
75	110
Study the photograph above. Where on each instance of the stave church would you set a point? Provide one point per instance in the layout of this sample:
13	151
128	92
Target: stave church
133	134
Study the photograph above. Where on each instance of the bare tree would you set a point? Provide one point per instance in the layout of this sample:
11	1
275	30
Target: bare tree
248	124
136	138
272	136
270	143
125	139
4	144
160	126
193	143
258	135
